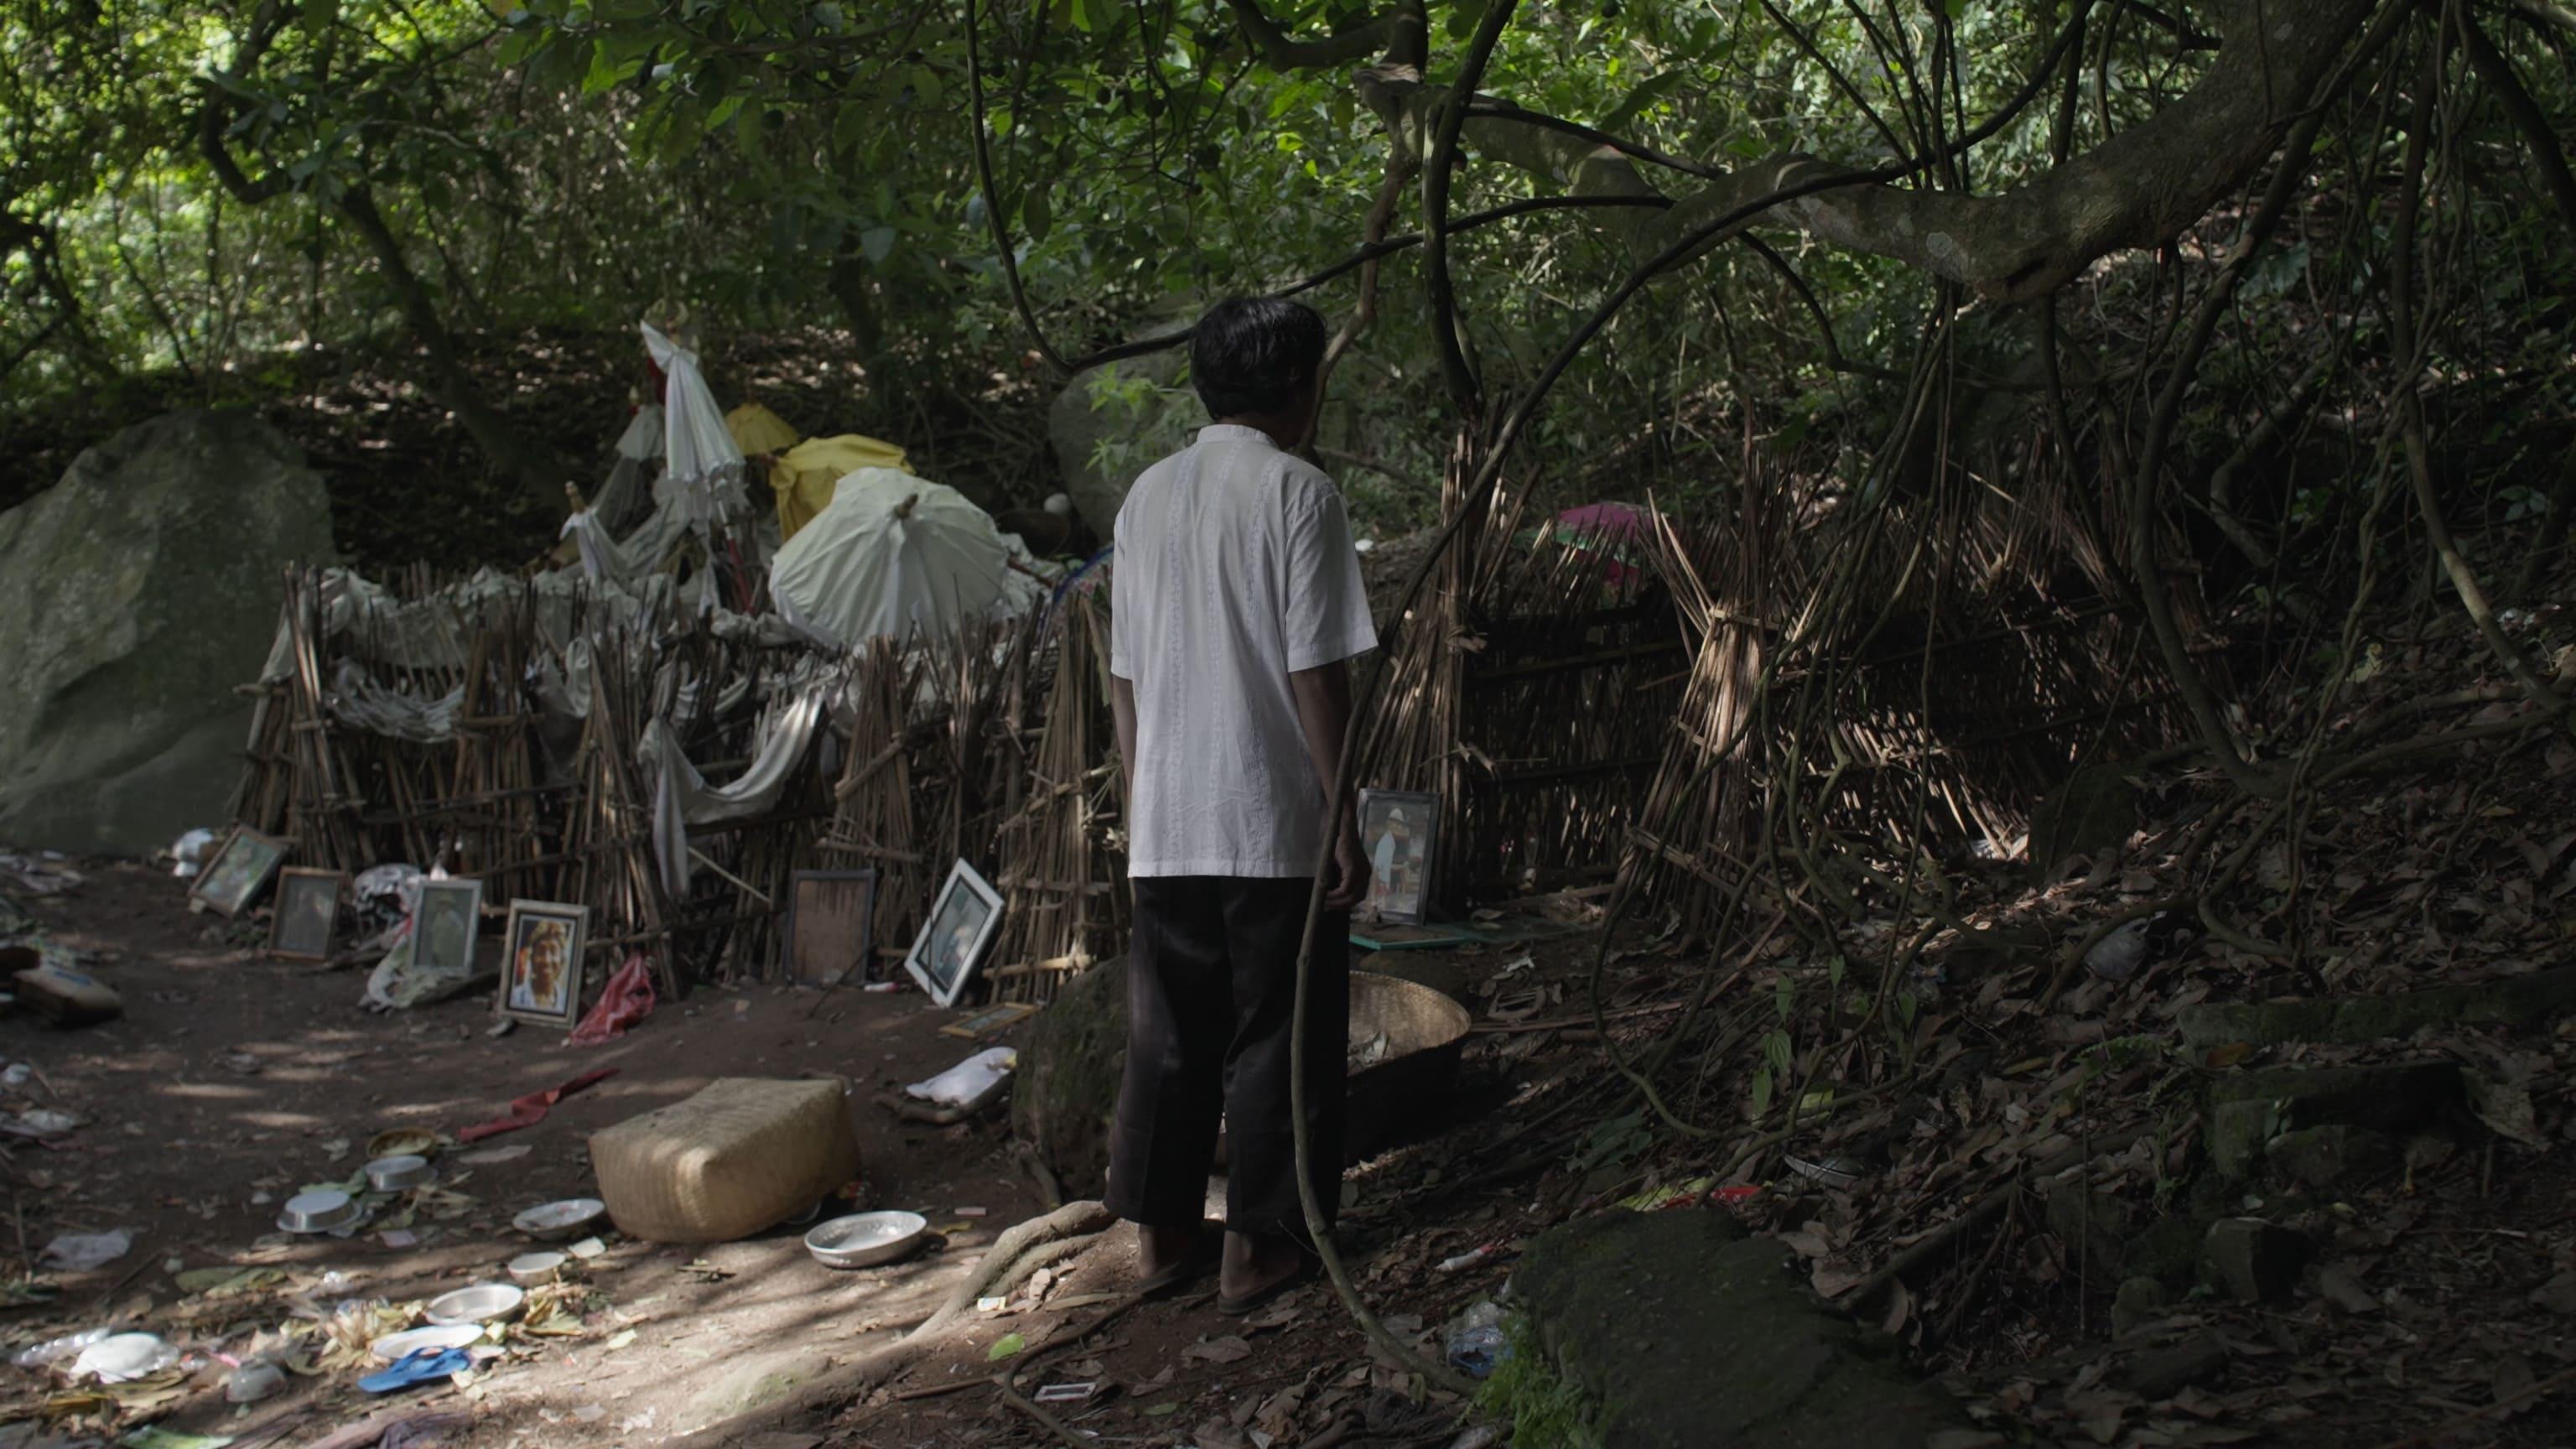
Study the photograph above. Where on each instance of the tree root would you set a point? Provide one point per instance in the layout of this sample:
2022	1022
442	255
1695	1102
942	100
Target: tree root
1022	1250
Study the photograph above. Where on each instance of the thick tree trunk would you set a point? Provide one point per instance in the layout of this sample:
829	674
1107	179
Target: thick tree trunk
456	387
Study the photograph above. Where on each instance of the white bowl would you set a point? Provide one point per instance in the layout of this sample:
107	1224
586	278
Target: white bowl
530	1269
554	1221
481	1303
393	1346
866	1239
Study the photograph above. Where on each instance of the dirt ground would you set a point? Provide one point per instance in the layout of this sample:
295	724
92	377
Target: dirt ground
234	1080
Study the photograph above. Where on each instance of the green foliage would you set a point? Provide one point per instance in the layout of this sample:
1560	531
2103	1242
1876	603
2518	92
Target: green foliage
1545	1409
1615	1143
567	163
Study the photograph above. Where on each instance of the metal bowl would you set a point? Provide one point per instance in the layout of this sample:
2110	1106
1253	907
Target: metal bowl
395	1174
555	1221
1401	1094
865	1239
326	1211
482	1303
528	1270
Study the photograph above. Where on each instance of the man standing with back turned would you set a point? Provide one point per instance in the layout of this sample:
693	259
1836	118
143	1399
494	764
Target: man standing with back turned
1235	602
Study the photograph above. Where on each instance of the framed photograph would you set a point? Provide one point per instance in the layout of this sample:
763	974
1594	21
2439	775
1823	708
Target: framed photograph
444	925
308	907
232	880
1399	830
962	924
541	963
830	915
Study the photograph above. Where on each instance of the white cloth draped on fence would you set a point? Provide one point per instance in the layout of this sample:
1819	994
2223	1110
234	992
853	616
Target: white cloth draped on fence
682	797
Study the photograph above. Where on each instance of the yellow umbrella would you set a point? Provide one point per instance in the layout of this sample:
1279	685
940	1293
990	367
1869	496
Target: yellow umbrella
757	430
805	475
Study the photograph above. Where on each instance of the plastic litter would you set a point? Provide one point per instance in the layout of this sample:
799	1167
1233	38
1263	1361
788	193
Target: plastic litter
81	1252
2117	956
55	1350
1470	1258
1830	1171
1476	1343
43	874
1068	1393
189	853
253	1382
17	1075
121	1357
420	1366
971	1083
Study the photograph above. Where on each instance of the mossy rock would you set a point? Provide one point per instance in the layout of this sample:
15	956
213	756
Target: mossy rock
2520	1002
2247	1110
1685	1332
1071	1062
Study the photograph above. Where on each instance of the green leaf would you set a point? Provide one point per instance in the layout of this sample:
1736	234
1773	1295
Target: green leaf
1650	90
1003	1347
1035	214
876	243
1761	1091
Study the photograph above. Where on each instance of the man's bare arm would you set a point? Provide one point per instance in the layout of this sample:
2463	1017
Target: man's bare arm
1323	698
1122	708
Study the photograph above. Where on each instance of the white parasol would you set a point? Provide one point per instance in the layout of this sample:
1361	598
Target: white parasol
894	553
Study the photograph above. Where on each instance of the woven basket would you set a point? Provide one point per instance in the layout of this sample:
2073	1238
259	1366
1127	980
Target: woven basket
741	1156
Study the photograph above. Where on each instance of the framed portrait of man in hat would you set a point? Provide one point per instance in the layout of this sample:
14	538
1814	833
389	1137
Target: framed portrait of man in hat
1398	830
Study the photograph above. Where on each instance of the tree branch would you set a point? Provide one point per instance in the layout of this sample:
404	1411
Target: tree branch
1401	28
993	203
1454	368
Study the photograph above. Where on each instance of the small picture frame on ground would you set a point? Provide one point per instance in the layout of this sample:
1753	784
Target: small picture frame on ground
308	907
831	914
444	925
962	924
233	879
1399	832
541	963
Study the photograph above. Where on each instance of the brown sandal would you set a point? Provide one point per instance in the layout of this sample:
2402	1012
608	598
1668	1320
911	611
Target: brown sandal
1308	1267
1193	1265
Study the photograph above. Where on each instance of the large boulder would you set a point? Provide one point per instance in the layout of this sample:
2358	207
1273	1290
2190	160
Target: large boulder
140	590
1141	407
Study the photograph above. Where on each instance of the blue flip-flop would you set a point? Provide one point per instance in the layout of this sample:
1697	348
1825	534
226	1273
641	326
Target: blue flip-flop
420	1366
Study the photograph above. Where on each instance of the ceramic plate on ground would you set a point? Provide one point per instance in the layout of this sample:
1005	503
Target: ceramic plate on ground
481	1303
865	1239
327	1211
531	1269
393	1346
561	1219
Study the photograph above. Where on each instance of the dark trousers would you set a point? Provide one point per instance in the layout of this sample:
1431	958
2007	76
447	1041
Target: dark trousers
1211	998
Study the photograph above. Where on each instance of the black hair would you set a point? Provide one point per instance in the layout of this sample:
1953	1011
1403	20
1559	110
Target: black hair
1249	355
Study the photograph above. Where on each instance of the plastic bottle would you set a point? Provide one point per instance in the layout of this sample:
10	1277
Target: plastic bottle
1476	1341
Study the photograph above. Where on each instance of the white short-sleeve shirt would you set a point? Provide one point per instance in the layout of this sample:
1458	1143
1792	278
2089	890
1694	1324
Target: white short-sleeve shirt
1234	568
